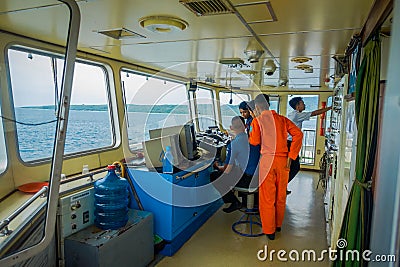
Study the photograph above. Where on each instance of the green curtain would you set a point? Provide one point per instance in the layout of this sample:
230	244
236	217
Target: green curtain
356	223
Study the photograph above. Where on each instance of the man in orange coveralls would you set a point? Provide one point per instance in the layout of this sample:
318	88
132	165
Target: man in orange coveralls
274	163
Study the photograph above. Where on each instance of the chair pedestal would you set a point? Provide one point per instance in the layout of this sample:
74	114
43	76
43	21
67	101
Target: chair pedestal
249	224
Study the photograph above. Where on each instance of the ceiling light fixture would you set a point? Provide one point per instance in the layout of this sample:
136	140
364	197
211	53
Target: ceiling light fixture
163	24
303	67
301	59
233	62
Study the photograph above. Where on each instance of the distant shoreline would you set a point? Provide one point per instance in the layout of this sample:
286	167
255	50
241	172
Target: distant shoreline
152	109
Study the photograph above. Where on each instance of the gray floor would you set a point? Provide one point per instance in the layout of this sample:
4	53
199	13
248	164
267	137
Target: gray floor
215	244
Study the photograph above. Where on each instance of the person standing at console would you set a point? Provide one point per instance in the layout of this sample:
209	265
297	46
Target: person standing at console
274	164
297	116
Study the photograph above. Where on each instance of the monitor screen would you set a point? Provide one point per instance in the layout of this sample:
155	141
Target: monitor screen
190	140
187	139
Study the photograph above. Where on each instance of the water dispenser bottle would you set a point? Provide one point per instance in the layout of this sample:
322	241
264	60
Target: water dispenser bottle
111	201
168	160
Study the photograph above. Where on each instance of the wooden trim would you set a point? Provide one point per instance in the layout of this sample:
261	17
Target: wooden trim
377	15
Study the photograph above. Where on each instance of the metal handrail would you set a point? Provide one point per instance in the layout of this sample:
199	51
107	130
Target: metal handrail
81	176
42	192
12	216
197	170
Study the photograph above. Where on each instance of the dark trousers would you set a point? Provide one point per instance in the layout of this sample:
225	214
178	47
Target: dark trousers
294	166
230	197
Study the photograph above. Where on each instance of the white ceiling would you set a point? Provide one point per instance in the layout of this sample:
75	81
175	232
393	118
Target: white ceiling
318	29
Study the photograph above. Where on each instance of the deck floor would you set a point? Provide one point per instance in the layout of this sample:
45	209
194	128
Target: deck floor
215	244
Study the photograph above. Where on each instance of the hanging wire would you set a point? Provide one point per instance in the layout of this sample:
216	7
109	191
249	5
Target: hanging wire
28	124
54	68
230	86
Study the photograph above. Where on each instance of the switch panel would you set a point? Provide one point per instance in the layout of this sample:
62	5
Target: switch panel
76	211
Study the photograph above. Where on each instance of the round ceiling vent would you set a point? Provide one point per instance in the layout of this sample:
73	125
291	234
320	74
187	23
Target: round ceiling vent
301	59
163	24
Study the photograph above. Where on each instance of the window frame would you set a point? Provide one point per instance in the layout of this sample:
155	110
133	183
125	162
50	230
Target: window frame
2	129
212	103
302	151
220	102
276	98
148	75
112	105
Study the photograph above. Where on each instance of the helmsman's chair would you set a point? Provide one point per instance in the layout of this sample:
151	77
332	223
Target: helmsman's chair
249	224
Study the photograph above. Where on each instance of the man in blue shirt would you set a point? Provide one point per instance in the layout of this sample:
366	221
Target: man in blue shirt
240	165
297	116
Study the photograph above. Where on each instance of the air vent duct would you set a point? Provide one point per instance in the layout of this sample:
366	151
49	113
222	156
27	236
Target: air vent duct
207	8
121	33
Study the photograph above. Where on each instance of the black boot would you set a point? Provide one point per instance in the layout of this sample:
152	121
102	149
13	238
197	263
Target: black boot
271	236
234	206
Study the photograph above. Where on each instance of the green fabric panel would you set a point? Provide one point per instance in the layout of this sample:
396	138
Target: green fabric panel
357	219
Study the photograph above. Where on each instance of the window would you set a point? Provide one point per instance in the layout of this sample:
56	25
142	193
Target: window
274	103
307	153
230	106
38	75
152	103
205	108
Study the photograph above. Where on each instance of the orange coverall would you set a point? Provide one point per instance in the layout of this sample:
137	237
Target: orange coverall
254	133
273	174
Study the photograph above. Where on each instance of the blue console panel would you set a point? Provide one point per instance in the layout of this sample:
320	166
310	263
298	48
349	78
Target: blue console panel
180	202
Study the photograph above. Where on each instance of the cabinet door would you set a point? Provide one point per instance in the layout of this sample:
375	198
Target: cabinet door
203	177
183	209
205	191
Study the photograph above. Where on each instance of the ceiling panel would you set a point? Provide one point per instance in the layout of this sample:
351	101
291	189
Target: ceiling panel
49	24
20	5
319	29
308	44
310	15
256	12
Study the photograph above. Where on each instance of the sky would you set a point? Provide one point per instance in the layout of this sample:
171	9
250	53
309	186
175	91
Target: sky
33	85
140	90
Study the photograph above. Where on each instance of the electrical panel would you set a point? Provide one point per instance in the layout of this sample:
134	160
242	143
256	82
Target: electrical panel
76	211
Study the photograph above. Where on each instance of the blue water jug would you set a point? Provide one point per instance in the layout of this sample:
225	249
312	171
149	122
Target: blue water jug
168	160
111	201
